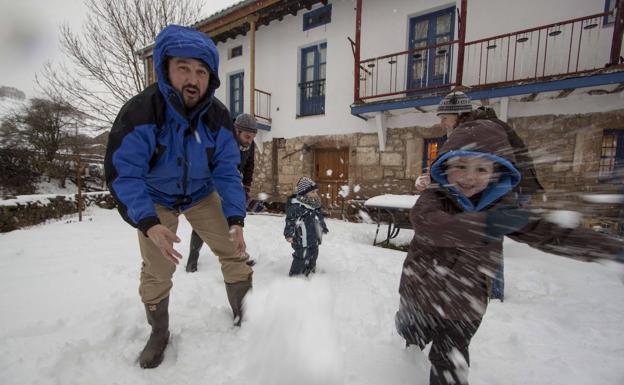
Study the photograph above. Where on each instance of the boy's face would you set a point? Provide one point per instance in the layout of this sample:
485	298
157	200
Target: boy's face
448	121
470	174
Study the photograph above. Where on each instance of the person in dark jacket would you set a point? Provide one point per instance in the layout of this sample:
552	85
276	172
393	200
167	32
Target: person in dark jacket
246	131
456	108
459	226
305	226
172	151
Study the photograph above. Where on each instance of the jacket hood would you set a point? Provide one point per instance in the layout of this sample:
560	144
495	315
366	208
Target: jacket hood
484	139
178	41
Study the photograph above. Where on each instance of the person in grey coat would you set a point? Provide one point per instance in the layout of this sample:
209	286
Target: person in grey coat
245	130
305	226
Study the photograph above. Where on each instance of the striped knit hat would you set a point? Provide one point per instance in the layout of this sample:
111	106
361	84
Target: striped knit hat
305	185
454	103
246	122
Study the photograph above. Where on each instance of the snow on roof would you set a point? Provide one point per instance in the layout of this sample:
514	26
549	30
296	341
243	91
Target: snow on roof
222	13
392	201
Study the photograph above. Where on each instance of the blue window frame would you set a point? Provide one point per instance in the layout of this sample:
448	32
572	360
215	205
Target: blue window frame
609	6
430	151
430	67
312	85
318	17
611	166
236	94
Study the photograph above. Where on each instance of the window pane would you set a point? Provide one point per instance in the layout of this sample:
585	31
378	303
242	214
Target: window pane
323	52
418	69
443	24
309	60
441	65
322	71
421	30
611	6
309	74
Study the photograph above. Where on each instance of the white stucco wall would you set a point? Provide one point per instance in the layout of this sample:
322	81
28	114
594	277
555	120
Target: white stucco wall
384	30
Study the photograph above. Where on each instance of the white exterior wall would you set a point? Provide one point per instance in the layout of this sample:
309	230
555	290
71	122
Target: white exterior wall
385	30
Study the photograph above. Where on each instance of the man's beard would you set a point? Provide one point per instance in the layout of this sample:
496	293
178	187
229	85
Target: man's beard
243	147
190	104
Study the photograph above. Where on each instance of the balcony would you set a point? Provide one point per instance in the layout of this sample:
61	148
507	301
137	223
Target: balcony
262	108
312	98
561	56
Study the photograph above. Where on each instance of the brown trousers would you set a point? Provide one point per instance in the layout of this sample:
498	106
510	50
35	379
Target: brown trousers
207	219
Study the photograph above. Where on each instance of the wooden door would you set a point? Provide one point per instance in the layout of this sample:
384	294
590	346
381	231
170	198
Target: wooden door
332	172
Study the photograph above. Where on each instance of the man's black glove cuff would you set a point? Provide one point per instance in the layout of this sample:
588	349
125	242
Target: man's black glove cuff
147	223
236	220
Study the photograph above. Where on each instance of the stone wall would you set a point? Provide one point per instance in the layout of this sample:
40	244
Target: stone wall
566	150
371	171
15	213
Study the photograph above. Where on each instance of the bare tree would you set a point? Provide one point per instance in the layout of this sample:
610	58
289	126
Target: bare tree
108	70
43	126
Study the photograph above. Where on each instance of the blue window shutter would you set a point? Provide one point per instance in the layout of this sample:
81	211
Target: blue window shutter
421	69
312	84
236	94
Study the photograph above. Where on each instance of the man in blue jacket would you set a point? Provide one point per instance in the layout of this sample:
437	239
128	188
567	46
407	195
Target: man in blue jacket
172	151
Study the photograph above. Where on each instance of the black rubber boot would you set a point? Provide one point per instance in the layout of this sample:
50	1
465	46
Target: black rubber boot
196	245
191	264
158	317
236	292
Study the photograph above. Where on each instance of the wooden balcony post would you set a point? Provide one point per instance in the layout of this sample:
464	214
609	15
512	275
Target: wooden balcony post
252	65
618	30
356	66
463	14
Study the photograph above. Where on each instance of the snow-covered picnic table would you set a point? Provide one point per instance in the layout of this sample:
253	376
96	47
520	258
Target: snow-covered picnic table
393	209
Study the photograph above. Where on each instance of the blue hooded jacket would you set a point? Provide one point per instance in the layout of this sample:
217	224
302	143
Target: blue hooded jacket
160	153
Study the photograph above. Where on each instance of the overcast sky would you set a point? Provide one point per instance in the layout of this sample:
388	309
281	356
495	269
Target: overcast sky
29	35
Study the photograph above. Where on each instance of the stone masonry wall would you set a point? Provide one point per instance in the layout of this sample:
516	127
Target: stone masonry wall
566	150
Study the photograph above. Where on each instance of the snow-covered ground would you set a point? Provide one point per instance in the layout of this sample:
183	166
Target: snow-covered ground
71	314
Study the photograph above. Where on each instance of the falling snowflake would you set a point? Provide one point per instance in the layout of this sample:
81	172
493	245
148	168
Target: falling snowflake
344	191
329	172
263	196
356	188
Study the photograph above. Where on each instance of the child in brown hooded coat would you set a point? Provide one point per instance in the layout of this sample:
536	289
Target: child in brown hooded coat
457	245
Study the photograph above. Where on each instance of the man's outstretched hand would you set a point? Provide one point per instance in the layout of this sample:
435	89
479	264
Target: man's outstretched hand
237	233
164	239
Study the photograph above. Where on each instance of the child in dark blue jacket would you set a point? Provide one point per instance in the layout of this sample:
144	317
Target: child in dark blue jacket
305	226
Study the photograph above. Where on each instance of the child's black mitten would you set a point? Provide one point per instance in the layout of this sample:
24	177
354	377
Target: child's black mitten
505	220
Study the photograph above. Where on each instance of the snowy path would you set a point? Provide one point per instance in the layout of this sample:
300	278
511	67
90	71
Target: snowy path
71	314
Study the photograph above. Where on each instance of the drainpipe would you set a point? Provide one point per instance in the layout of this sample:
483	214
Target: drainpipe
356	68
463	14
618	29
